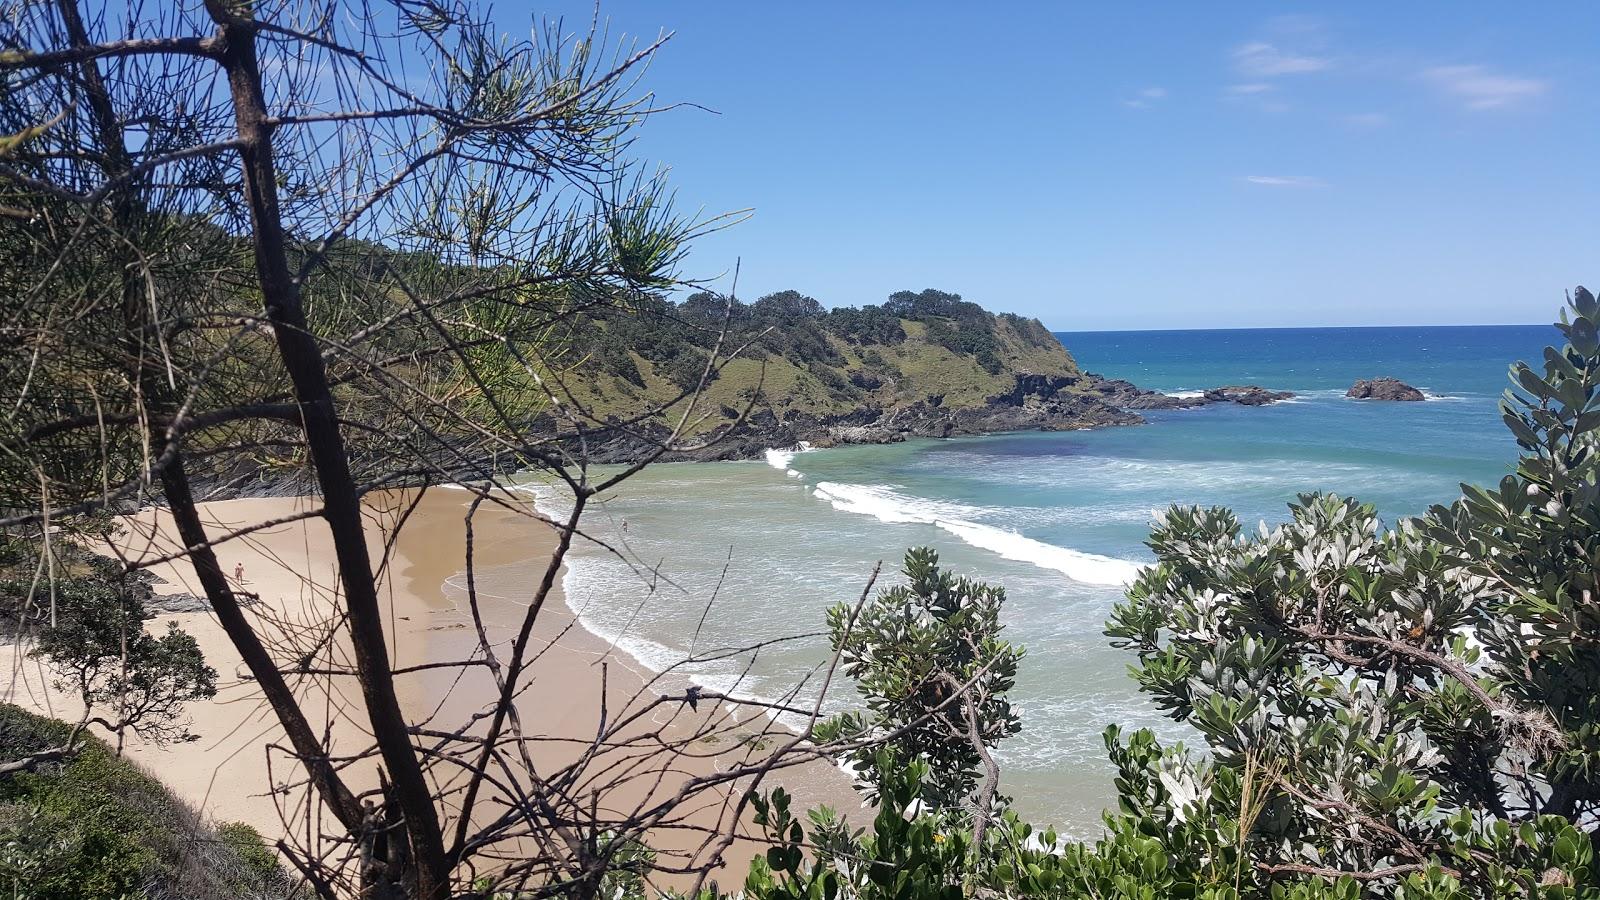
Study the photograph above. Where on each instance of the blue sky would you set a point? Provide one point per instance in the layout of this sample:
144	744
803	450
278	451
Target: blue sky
1139	165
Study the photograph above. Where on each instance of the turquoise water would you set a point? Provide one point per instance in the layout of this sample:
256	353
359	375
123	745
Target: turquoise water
726	554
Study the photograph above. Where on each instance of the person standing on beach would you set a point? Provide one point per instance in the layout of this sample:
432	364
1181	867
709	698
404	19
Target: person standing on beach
238	572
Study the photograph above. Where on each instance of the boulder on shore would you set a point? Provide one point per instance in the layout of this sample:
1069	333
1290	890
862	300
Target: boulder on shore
1384	389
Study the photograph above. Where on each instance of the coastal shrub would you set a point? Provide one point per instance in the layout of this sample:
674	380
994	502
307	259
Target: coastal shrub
97	826
786	307
1402	712
964	339
707	310
126	677
1030	330
684	369
866	380
87	830
1435	683
905	854
933	672
256	867
839	387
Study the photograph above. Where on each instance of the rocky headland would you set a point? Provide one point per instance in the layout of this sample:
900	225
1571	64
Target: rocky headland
1062	402
922	364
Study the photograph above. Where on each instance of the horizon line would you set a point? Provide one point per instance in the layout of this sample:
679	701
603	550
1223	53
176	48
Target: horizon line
1304	327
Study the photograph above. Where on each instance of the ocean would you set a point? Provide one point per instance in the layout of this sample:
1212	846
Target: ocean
707	556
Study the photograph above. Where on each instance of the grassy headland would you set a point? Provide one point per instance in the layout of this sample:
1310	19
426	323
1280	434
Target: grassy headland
927	364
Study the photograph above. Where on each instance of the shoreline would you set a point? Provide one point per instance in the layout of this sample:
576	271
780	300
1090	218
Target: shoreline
1072	401
230	774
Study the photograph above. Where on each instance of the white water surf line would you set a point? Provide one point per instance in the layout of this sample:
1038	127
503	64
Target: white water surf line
593	580
891	507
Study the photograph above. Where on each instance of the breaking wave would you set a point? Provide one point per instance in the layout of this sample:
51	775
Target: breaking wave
886	505
780	459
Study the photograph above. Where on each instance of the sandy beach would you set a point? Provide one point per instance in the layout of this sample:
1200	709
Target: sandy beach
230	769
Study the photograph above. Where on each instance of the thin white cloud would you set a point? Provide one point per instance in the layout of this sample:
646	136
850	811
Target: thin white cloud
1479	87
1367	120
1258	94
1146	97
1286	181
1263	60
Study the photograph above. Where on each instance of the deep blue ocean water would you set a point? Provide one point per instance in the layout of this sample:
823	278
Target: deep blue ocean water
1058	518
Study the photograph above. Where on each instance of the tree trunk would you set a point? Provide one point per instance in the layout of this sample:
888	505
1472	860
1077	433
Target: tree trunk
341	502
174	478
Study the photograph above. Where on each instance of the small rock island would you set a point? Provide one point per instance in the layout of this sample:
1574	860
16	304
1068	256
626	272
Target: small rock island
1246	395
1384	389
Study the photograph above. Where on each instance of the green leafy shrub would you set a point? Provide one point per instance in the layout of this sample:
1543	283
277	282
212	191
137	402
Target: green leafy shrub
89	628
257	867
966	339
1436	683
102	653
929	663
96	826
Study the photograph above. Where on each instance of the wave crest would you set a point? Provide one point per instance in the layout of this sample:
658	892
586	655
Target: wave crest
891	507
780	459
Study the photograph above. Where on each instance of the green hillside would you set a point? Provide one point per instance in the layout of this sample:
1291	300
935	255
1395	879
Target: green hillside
802	361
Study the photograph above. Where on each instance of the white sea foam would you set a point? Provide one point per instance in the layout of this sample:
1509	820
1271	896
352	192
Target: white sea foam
1089	568
1131	482
1186	395
588	580
780	459
886	505
595	587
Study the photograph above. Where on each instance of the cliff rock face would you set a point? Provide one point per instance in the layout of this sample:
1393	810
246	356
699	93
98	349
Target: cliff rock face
1384	389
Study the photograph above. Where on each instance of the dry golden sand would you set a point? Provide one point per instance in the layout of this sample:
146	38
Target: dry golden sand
228	772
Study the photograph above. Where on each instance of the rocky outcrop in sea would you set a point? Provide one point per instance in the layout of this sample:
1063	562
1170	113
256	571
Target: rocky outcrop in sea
1384	389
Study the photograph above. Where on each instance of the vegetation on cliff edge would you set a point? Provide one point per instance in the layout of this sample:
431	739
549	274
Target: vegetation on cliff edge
97	827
